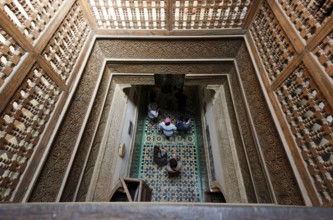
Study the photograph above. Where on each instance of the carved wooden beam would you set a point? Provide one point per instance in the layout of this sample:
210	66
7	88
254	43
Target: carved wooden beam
252	12
289	29
169	15
88	14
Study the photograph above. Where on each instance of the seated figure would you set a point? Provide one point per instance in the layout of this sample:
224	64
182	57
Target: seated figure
167	127
160	156
174	166
153	112
183	125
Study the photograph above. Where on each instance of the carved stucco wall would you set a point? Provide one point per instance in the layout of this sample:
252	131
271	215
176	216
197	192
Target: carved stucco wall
227	172
88	138
52	174
90	166
173	68
283	180
238	133
100	189
170	48
49	182
258	176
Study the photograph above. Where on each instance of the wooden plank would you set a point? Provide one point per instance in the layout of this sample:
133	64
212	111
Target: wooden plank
88	14
257	59
126	190
169	15
30	176
324	30
50	72
9	89
322	79
140	191
47	34
305	178
252	12
9	27
287	26
287	72
226	31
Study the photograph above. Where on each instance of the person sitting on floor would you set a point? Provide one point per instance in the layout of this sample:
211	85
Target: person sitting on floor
183	125
153	112
174	165
160	156
167	127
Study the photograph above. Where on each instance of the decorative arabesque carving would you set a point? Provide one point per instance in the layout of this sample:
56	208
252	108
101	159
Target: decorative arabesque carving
283	180
52	174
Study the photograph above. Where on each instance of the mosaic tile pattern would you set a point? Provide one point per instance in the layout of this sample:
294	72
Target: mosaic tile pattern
184	187
188	186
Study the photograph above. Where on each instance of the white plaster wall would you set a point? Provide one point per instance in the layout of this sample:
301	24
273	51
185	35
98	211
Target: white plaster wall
107	161
227	172
121	164
210	122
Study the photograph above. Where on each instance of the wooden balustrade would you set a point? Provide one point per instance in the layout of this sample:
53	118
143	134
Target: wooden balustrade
209	15
130	14
66	44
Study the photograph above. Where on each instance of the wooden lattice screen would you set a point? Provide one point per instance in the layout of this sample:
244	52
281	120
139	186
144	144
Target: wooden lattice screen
295	63
36	63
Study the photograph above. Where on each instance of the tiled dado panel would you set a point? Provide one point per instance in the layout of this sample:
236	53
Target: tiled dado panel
273	46
283	180
52	174
310	120
22	124
31	17
67	42
10	56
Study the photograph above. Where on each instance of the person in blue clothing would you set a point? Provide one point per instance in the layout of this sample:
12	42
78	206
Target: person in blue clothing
167	127
183	124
